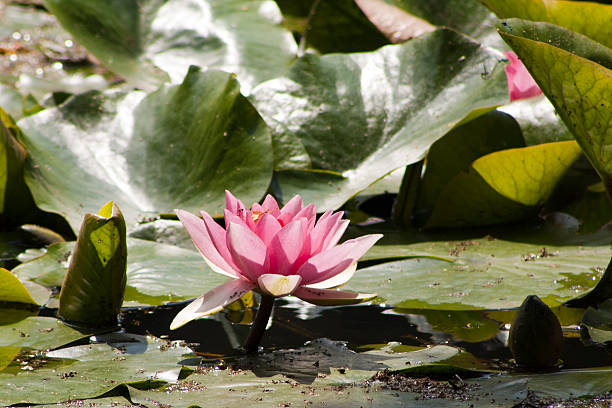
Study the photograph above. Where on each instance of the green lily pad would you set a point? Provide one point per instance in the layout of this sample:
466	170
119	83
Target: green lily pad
588	18
575	73
539	121
466	16
156	273
338	26
92	370
503	186
455	152
12	290
437	79
39	333
141	39
92	290
179	147
482	273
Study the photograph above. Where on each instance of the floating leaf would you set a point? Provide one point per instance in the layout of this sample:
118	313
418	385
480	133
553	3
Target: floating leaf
92	291
92	370
156	273
469	273
137	38
423	88
588	18
12	290
179	147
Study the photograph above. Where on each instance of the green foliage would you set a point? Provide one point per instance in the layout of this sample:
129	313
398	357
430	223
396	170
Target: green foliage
178	147
92	291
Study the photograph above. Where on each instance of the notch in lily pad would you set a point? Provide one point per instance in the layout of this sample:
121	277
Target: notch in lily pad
93	288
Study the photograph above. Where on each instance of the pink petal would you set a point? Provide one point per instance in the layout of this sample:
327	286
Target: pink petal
266	228
520	82
201	237
333	237
233	204
271	206
212	301
278	285
336	280
218	236
247	249
290	209
310	213
332	297
325	226
245	220
333	261
289	248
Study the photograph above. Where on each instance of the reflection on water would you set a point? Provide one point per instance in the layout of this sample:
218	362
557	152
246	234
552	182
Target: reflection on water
293	323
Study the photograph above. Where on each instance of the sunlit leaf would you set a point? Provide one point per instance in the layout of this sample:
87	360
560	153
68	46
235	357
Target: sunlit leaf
12	290
179	147
503	186
92	291
575	73
384	109
588	18
141	39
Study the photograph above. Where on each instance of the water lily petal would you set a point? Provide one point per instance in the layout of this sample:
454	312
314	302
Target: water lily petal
247	249
333	237
289	248
212	301
333	261
233	204
218	236
267	227
325	226
332	297
310	213
271	206
290	210
336	280
521	84
204	242
278	285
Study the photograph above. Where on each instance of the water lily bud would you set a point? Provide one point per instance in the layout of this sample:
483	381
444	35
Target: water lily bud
536	338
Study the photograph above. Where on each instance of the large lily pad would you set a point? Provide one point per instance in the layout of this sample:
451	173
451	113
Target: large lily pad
484	273
156	273
356	117
588	18
90	371
575	73
137	38
179	147
466	16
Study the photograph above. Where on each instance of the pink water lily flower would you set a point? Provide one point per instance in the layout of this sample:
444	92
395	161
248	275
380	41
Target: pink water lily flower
275	251
520	82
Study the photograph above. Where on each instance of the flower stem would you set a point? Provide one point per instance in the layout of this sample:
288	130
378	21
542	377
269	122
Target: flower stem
260	323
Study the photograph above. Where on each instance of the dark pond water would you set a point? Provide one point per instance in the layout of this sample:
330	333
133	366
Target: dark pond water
362	327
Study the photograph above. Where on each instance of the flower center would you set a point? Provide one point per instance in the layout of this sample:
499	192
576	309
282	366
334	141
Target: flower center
256	215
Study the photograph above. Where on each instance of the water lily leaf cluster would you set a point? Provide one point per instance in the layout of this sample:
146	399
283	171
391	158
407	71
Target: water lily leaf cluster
325	100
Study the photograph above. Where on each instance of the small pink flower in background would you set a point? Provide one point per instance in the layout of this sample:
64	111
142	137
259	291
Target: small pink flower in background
277	252
520	83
